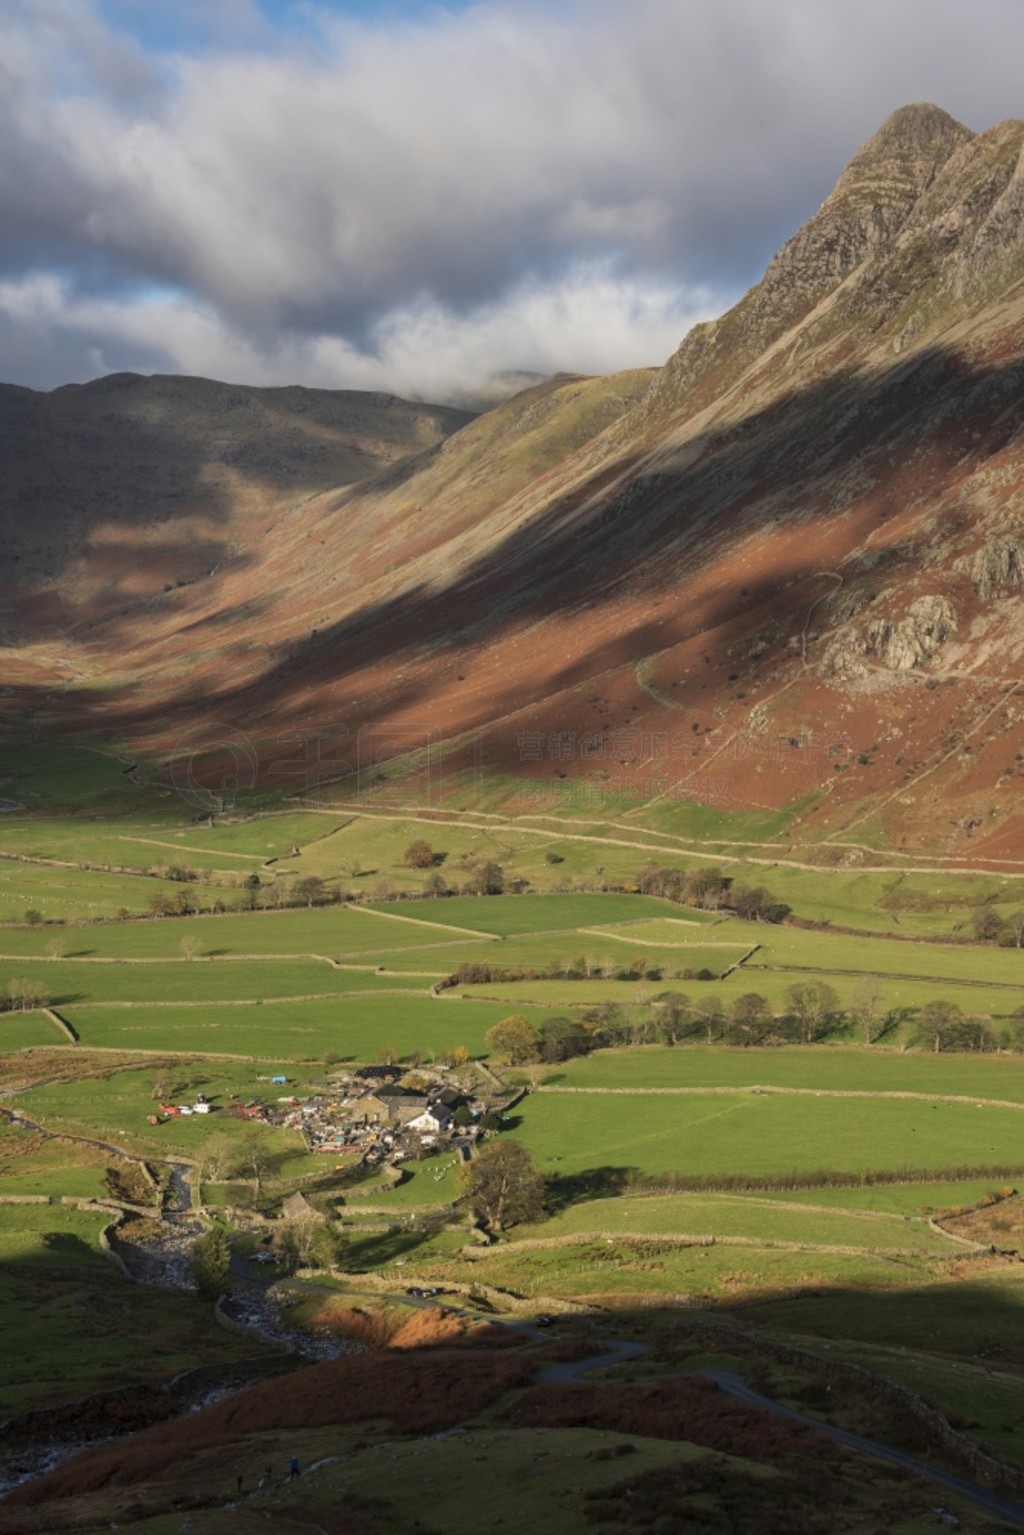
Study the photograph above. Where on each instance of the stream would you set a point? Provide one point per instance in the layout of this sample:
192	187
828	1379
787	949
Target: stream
161	1262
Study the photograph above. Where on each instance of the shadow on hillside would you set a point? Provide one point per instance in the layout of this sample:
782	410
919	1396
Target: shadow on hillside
128	449
568	1189
601	541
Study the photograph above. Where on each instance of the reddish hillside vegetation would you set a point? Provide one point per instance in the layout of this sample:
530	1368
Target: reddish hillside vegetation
783	570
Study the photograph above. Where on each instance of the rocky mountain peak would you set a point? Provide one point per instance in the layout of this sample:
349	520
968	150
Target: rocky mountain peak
871	202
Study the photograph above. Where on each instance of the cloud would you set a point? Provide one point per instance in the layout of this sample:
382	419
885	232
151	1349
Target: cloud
304	196
590	320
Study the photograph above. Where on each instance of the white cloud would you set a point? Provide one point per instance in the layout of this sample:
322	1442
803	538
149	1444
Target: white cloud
463	171
591	320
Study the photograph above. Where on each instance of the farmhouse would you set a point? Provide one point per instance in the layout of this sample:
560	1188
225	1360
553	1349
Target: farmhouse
435	1118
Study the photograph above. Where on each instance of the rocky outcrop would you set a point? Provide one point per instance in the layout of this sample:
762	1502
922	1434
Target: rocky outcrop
997	564
900	645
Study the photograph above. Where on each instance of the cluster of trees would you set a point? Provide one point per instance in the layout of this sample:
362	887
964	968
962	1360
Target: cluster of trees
989	927
21	996
708	887
477	973
310	890
812	1014
517	1041
945	1026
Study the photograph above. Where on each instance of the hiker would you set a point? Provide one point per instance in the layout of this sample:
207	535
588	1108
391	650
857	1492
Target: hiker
293	1468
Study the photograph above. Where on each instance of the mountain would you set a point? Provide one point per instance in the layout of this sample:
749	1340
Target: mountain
781	572
122	487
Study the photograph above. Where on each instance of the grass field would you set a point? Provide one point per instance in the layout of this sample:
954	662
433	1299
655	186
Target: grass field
748	1217
140	843
764	1135
353	1028
115	1110
624	1272
69	894
773	985
66	982
662	932
812	1066
334	931
225	1001
508	915
79	1326
31	1165
18	1031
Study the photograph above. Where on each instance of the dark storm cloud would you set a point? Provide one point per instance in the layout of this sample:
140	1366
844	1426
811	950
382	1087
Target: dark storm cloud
407	202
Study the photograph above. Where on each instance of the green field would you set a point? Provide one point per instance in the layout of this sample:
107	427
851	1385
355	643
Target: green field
821	1067
18	1031
139	844
508	914
354	1028
65	982
70	894
813	1067
750	1218
115	1110
333	931
79	1326
663	932
31	1165
773	985
763	1135
207	997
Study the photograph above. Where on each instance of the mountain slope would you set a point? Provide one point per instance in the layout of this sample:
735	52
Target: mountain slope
784	570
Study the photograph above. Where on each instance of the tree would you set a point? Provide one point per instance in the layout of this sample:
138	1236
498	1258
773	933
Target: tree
487	879
307	1241
219	1155
503	1185
211	1262
705	887
419	855
936	1020
55	948
309	890
435	885
812	1004
751	1019
986	924
514	1038
255	1160
24	994
1015	928
673	1012
562	1038
866	1009
33	917
189	947
748	900
711	1016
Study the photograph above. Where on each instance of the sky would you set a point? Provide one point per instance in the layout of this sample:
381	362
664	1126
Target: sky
415	197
